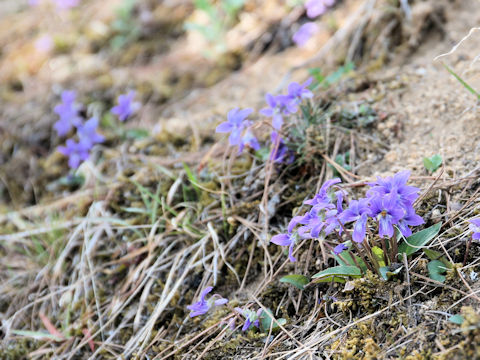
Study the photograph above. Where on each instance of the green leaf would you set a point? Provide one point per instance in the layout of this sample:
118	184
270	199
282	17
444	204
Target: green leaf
435	270
387	274
379	256
415	242
136	134
437	255
349	260
456	319
267	320
463	82
337	273
298	281
433	163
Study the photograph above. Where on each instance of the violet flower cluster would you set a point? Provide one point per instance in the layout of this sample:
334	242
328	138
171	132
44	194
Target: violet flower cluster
77	151
202	306
389	204
278	107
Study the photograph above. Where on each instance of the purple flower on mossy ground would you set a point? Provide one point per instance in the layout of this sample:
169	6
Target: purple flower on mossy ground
76	152
68	111
475	228
340	248
235	124
304	33
358	211
202	306
126	106
387	211
285	240
87	133
252	318
317	7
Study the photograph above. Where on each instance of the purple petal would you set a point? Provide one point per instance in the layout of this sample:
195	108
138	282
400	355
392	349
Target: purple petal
281	239
385	226
359	229
220	302
224	127
290	252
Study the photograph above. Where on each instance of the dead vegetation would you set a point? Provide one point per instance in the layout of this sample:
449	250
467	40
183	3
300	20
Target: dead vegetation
105	269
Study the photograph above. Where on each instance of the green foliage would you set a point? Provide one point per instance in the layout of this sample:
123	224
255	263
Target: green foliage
320	80
433	163
343	160
387	273
125	26
436	255
416	241
136	134
456	319
463	82
296	280
267	320
221	16
337	274
436	269
356	260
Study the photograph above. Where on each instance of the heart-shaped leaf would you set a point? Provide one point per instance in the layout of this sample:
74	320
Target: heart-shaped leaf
435	270
267	320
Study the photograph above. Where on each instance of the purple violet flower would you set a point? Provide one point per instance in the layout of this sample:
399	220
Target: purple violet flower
76	152
88	135
126	106
299	92
409	219
236	122
283	152
340	248
66	4
285	240
304	33
358	211
248	139
277	107
475	228
317	7
387	210
251	317
397	184
202	306
68	111
322	199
